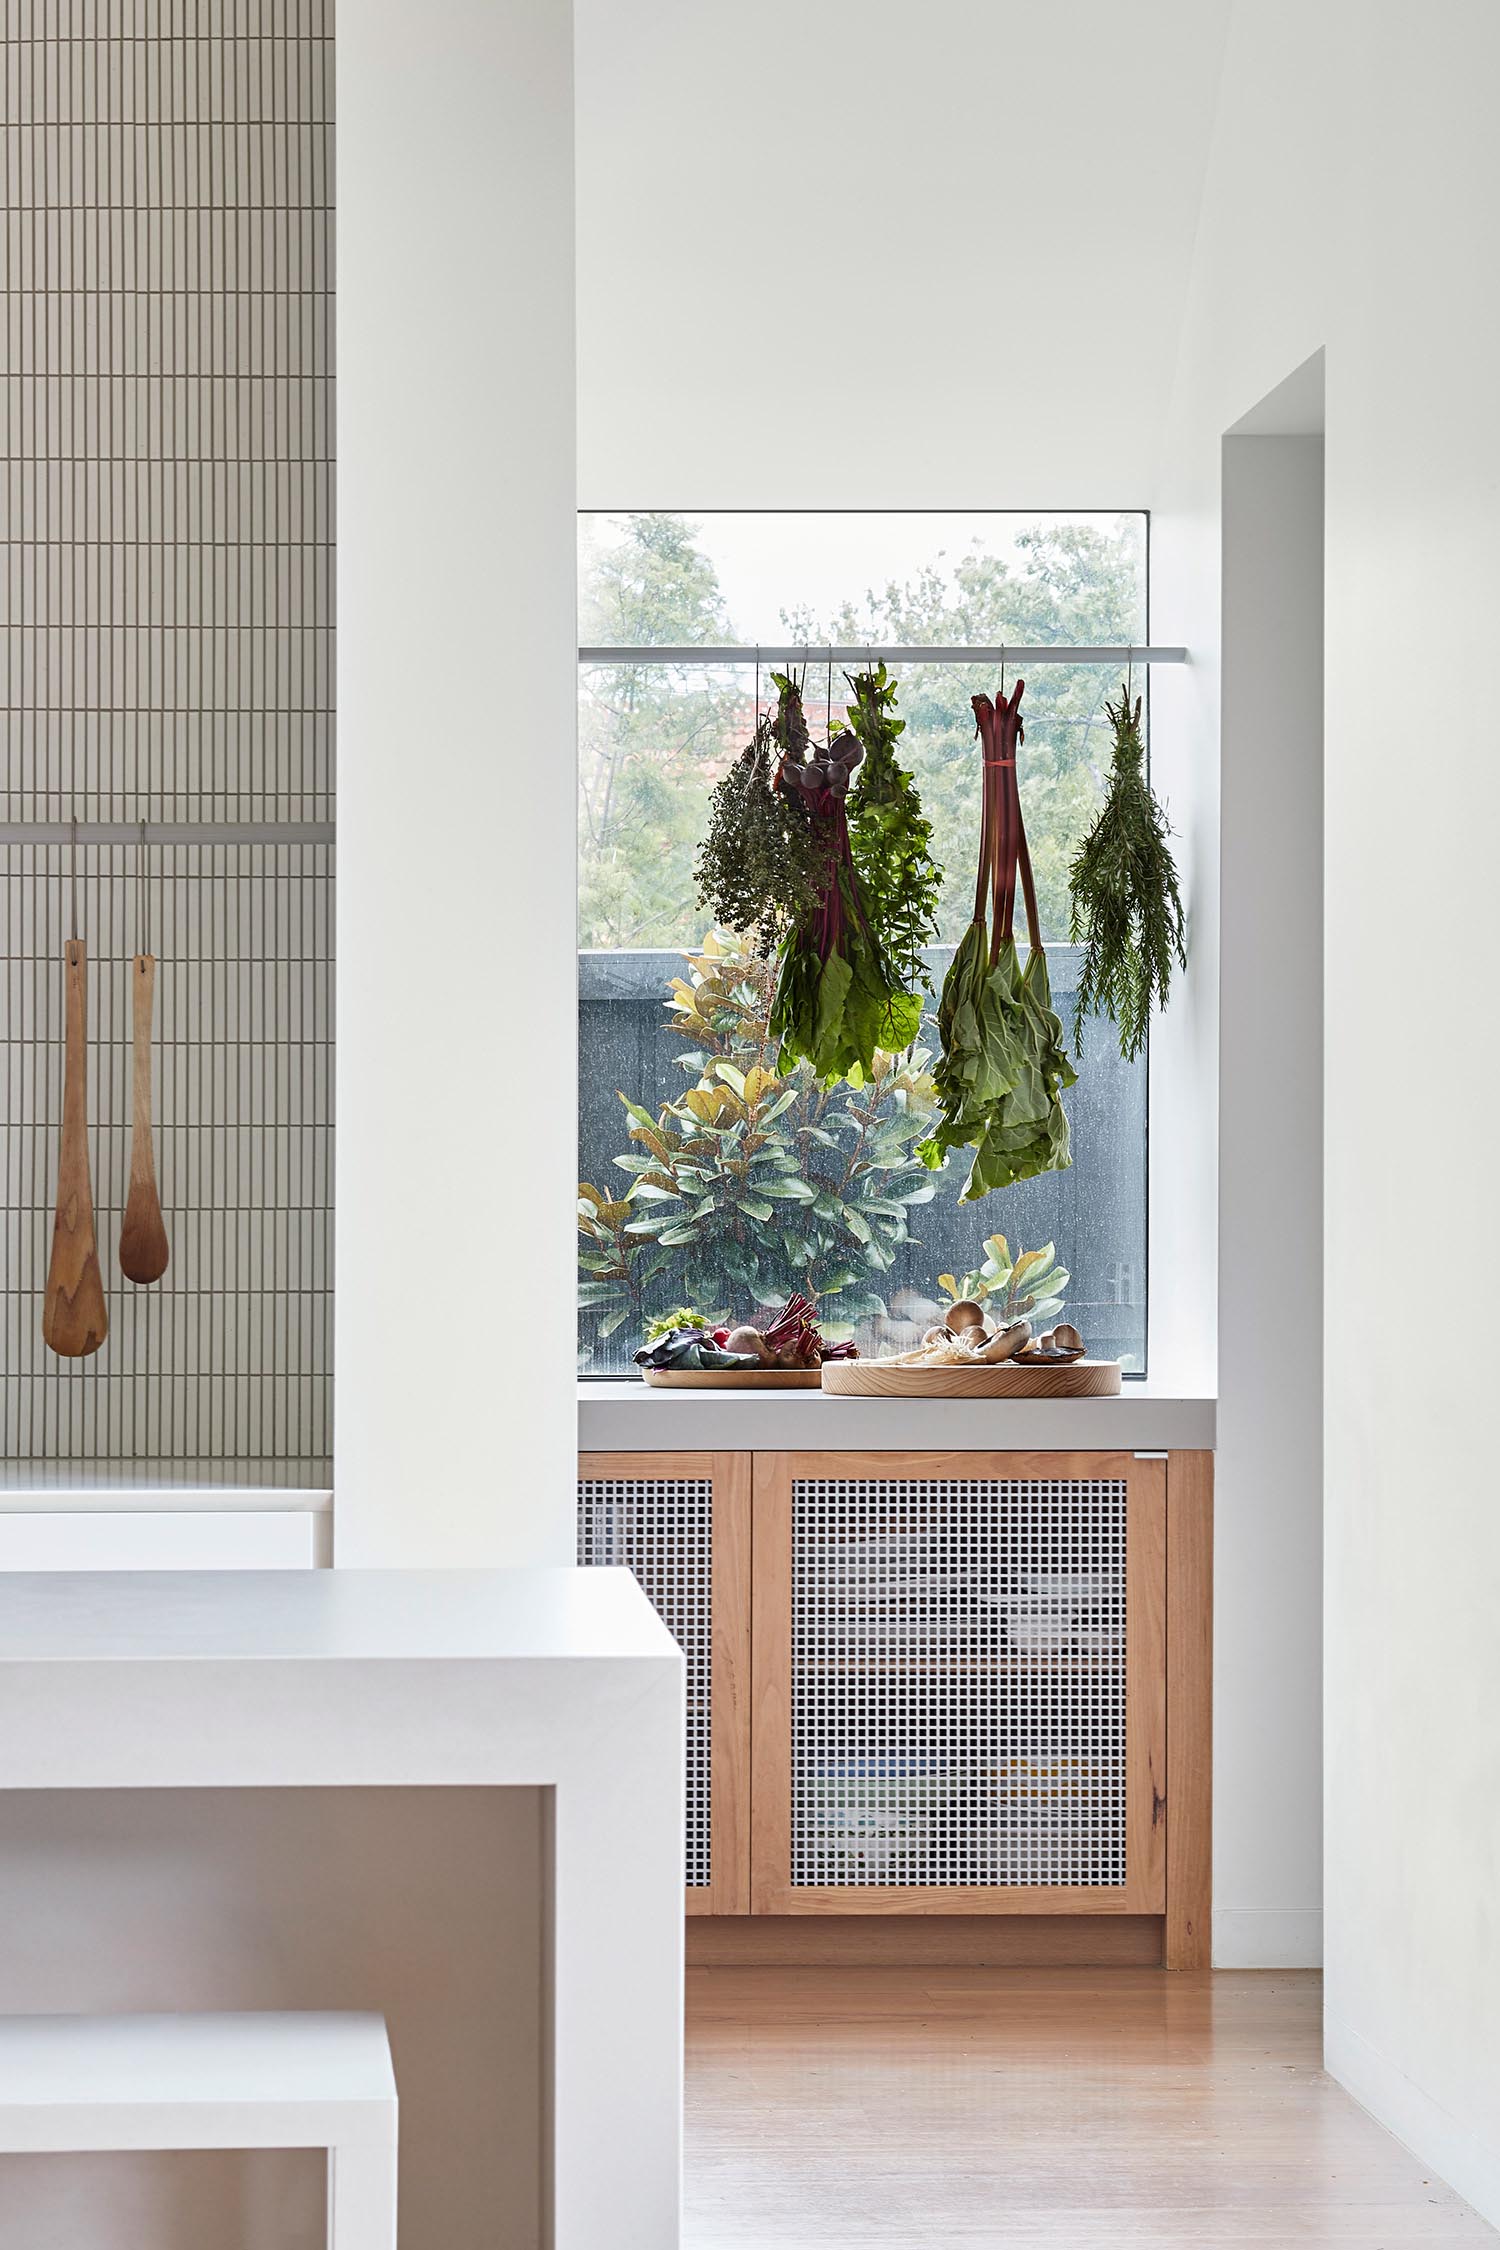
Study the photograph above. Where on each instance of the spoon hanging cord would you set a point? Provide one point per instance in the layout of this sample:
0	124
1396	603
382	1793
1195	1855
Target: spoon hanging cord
143	1236
74	1319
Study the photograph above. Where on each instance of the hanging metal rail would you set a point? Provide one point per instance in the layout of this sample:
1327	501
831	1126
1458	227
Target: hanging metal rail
802	652
819	652
168	832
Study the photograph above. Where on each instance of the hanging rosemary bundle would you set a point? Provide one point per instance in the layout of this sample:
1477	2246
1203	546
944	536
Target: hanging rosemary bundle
760	859
1126	908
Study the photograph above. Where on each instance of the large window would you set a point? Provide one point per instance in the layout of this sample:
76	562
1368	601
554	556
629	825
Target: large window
672	1012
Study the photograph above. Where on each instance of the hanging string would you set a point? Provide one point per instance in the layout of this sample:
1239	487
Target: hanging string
828	726
73	873
143	895
755	730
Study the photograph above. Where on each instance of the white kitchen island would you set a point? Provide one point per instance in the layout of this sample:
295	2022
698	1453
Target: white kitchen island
452	1796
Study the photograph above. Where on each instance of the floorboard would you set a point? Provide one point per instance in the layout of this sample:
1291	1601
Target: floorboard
1035	2109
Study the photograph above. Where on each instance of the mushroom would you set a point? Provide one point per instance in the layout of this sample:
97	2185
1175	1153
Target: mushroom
1008	1342
1066	1337
965	1314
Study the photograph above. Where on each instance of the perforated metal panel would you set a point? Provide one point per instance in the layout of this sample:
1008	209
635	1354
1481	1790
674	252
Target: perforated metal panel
958	1682
662	1529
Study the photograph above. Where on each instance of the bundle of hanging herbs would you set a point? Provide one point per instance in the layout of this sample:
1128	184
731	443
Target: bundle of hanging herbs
838	879
1003	1066
1126	907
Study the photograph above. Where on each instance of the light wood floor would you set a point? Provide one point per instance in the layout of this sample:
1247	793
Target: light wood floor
1034	2109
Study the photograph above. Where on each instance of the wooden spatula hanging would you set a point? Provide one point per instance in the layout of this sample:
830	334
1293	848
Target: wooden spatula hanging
143	1237
74	1321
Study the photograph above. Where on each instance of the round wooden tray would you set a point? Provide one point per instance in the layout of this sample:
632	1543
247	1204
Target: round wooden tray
873	1378
731	1378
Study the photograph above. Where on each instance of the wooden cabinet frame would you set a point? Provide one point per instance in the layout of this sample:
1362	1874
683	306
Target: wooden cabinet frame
728	1888
1169	1653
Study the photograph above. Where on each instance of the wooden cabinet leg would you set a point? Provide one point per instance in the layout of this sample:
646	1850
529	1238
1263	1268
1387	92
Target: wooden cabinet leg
1190	1535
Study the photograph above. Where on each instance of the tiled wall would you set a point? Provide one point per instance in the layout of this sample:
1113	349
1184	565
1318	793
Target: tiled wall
166	419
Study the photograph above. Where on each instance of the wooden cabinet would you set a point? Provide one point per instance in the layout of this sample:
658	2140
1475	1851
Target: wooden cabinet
937	1685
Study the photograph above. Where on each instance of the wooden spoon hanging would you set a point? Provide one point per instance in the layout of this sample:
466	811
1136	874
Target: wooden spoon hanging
143	1237
74	1321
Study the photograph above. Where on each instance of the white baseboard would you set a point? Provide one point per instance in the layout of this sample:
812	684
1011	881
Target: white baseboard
1268	1937
1447	2146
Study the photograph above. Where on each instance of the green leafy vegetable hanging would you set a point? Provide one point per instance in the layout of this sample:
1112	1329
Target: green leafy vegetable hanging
838	882
840	996
1003	1066
1126	906
890	838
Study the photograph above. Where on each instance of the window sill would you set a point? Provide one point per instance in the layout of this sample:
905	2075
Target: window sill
625	1417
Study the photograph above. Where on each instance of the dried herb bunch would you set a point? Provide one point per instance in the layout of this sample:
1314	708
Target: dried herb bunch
891	837
760	859
1127	911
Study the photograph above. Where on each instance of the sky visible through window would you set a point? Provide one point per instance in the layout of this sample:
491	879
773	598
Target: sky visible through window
767	577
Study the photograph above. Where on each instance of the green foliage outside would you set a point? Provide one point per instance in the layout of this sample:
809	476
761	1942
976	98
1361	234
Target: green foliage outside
654	742
651	742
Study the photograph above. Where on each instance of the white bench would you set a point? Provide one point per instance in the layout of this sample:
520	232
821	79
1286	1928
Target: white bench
71	2083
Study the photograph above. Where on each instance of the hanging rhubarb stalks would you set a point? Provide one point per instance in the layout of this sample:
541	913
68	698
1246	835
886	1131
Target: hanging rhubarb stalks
839	998
1003	1068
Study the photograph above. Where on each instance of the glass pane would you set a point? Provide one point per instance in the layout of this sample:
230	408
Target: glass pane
656	738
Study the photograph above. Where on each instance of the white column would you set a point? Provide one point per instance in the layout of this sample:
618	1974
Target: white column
1268	1480
456	1034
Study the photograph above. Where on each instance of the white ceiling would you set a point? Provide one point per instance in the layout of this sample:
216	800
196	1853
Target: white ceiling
862	253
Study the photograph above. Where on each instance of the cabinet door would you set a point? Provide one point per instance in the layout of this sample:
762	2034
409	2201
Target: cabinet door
959	1684
681	1523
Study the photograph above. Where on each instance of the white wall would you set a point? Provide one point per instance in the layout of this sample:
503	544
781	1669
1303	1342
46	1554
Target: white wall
1351	203
456	541
857	255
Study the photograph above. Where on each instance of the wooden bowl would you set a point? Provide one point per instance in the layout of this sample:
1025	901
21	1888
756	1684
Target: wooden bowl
1006	1378
731	1378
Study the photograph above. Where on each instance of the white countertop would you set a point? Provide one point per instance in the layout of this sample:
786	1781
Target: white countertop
265	1616
166	1487
626	1417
